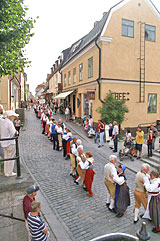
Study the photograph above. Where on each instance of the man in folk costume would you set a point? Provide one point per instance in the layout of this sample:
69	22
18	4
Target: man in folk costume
64	142
81	172
140	195
110	174
59	133
44	118
153	189
55	136
62	125
73	156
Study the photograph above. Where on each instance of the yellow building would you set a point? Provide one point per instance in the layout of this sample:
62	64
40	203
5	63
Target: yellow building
10	91
121	53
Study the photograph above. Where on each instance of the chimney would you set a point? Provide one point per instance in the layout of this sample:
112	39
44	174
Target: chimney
52	70
104	14
95	23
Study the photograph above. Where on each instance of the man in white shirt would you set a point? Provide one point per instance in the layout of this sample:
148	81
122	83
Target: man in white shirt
111	177
1	124
115	135
8	131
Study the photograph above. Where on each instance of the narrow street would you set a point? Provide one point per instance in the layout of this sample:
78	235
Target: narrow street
80	217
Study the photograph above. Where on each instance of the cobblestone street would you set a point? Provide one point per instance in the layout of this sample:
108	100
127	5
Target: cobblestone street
81	217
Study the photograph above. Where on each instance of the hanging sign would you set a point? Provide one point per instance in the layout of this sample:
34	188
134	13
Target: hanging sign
90	94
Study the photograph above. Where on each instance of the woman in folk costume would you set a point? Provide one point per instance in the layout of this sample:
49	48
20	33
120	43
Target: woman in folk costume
59	133
153	189
73	157
50	129
81	172
68	139
42	112
47	124
88	180
39	111
122	197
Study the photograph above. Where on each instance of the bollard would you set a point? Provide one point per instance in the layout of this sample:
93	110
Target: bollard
142	234
18	160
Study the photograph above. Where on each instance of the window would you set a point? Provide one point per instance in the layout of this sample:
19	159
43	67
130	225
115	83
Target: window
127	28
64	80
69	77
80	72
152	103
74	75
90	67
150	33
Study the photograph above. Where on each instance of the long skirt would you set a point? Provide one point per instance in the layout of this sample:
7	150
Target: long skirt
122	198
88	180
68	148
39	114
47	129
81	173
154	210
60	140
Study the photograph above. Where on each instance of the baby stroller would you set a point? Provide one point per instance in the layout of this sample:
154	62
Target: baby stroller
128	151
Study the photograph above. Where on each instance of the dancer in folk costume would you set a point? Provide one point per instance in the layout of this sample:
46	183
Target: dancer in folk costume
81	172
39	111
122	197
55	136
111	177
88	180
73	157
50	129
47	124
44	118
153	189
64	142
59	133
68	139
140	194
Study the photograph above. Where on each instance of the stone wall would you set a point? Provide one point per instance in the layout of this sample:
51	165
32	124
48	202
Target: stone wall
12	192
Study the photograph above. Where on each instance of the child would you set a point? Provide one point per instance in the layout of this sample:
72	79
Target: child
124	151
149	143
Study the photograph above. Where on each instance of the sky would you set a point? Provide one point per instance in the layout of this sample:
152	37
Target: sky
60	23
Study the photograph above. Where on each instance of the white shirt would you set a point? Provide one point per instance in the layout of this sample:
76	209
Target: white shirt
59	130
66	111
7	131
111	169
115	129
152	186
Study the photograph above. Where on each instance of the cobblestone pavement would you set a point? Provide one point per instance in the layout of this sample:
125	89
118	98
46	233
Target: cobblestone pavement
83	218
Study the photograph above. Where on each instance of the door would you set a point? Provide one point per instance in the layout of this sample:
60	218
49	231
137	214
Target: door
74	104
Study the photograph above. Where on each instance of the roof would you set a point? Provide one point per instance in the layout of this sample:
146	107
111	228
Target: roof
82	43
39	87
85	41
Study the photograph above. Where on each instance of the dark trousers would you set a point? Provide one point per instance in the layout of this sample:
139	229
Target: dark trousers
64	144
116	143
44	126
55	142
149	149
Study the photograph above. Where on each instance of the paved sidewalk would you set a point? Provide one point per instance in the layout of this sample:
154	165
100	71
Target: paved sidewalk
75	216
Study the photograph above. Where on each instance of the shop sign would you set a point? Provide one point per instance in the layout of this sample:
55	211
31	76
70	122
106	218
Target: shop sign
91	95
122	96
42	101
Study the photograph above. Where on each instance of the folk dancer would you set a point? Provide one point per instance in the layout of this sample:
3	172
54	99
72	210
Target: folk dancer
140	194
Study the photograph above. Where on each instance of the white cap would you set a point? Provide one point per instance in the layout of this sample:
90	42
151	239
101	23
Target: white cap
11	113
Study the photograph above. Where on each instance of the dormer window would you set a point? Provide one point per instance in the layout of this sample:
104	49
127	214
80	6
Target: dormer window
75	46
150	33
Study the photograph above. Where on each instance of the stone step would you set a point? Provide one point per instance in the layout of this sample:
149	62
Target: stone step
156	153
155	159
151	163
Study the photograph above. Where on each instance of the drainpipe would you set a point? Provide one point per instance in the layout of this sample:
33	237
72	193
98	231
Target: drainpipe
10	91
99	75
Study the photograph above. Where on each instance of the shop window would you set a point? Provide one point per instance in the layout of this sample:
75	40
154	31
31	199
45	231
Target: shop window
90	67
80	72
152	103
69	77
127	28
64	80
150	33
74	75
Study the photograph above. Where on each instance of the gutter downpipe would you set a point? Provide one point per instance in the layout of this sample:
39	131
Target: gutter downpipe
99	75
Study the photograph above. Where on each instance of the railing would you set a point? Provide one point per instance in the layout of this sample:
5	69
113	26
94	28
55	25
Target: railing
17	157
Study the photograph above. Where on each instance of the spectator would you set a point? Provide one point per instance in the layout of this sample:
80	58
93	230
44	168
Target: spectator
115	135
86	126
27	200
139	141
67	114
1	124
101	129
155	134
128	136
84	117
17	124
97	131
9	131
90	124
37	227
149	142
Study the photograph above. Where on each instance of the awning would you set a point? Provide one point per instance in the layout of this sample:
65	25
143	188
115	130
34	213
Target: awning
63	95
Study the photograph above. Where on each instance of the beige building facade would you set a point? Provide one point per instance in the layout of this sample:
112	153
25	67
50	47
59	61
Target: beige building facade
120	54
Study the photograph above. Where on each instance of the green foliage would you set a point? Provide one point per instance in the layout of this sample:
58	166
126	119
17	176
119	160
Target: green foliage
15	33
112	109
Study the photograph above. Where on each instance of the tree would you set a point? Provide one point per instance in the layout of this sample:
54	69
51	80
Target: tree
112	109
15	33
